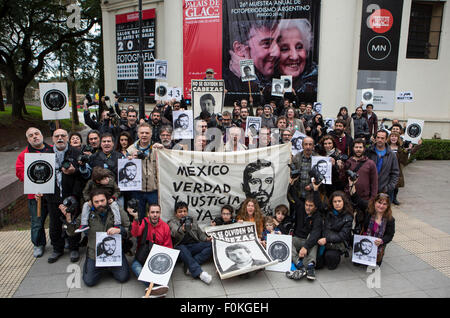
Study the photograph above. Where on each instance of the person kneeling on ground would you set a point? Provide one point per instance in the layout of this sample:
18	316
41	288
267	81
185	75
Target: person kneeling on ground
194	245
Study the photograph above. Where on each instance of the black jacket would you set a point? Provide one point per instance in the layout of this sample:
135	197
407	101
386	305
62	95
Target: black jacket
124	127
308	225
101	126
99	159
337	228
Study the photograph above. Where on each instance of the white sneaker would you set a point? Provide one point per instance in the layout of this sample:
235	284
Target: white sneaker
158	291
206	278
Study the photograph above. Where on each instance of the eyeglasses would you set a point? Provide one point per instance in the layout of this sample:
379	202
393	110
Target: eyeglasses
61	135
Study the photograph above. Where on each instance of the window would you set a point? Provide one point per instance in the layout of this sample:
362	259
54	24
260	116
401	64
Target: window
424	29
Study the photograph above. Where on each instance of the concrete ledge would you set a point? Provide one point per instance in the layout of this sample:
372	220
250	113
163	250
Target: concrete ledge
10	189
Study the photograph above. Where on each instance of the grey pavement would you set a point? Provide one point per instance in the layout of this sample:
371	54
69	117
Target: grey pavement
416	264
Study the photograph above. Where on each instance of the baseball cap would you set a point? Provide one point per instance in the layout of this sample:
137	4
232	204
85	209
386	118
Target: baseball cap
209	70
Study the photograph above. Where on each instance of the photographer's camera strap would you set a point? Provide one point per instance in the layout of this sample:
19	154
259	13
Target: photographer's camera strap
360	164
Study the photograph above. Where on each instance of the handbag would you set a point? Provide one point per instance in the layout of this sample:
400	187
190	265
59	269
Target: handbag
144	247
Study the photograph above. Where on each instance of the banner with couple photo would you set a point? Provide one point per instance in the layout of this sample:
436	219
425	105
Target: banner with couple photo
280	37
207	181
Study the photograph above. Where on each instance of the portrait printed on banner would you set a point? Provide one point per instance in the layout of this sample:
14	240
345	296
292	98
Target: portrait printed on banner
183	127
130	174
323	166
108	250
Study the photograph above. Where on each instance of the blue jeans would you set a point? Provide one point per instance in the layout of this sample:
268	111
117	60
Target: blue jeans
136	268
92	274
37	223
193	255
144	198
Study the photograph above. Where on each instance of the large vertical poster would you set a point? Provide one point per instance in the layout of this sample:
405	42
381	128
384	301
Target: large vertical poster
378	51
127	51
280	37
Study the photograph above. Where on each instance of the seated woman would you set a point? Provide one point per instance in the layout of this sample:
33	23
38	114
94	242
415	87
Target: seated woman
250	212
376	219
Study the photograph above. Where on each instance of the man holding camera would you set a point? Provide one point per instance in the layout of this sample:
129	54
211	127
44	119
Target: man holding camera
130	126
194	245
107	157
105	124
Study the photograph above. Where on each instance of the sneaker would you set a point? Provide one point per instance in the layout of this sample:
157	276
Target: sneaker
206	278
54	257
158	291
185	269
299	264
38	251
74	256
296	275
82	228
310	272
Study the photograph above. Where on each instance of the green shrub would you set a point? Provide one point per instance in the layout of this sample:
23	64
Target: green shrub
433	149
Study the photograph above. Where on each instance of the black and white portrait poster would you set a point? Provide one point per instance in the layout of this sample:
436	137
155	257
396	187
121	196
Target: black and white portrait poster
297	142
108	251
329	122
161	69
413	131
367	96
317	107
364	250
287	80
277	87
54	101
207	95
237	250
161	91
183	124
207	181
247	70
279	248
159	265
129	174
39	173
253	124
323	166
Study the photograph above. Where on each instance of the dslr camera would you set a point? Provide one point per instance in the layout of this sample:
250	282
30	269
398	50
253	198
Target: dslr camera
133	204
67	162
294	171
141	155
87	148
187	221
90	102
352	175
71	205
342	156
318	178
83	159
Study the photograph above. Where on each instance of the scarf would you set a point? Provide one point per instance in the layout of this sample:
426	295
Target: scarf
146	150
379	233
59	158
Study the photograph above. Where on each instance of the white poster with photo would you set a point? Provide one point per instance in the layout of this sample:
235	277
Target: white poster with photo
317	107
364	250
161	69
183	124
175	93
323	166
108	251
237	250
297	142
277	87
279	248
414	130
207	95
367	96
405	97
39	173
161	91
159	265
54	101
253	124
287	81
129	174
247	70
329	122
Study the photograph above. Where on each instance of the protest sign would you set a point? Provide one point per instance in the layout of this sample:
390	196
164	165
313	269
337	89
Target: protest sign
367	96
54	101
175	92
317	107
237	250
323	166
287	80
279	248
297	142
277	87
129	174
108	252
253	124
161	69
414	130
207	95
161	91
183	126
159	265
405	97
247	70
364	250
39	176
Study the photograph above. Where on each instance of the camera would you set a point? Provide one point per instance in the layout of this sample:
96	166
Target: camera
294	171
87	148
187	221
352	175
111	112
219	116
67	162
90	102
133	204
71	204
218	220
141	155
318	178
83	158
342	157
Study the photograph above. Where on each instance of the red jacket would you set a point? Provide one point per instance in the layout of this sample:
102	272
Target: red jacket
20	162
161	231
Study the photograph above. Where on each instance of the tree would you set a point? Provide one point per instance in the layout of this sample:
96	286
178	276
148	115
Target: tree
30	31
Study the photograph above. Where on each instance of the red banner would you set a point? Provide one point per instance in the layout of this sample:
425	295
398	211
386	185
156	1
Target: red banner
202	20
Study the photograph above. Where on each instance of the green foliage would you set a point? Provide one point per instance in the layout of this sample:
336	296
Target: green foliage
433	149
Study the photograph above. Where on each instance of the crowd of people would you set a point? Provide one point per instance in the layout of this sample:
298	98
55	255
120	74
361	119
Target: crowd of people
322	218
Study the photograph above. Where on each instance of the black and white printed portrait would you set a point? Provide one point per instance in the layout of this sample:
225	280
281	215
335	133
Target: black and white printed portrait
127	175
414	130
364	250
160	71
367	96
161	91
160	263
279	251
363	247
297	143
317	108
106	250
40	172
54	100
277	89
207	103
258	182
182	122
247	71
242	257
322	166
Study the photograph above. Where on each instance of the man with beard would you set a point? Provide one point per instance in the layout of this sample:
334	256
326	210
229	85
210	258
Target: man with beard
36	144
258	183
156	124
93	140
127	175
130	126
101	219
344	141
367	185
106	249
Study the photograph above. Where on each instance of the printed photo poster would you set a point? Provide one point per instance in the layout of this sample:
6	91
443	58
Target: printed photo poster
297	142
367	96
405	97
39	173
287	80
207	95
414	130
237	250
323	166
159	265
317	107
329	122
247	70
364	250
161	91
108	251
129	174
277	87
279	248
161	69
183	124
54	101
253	124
